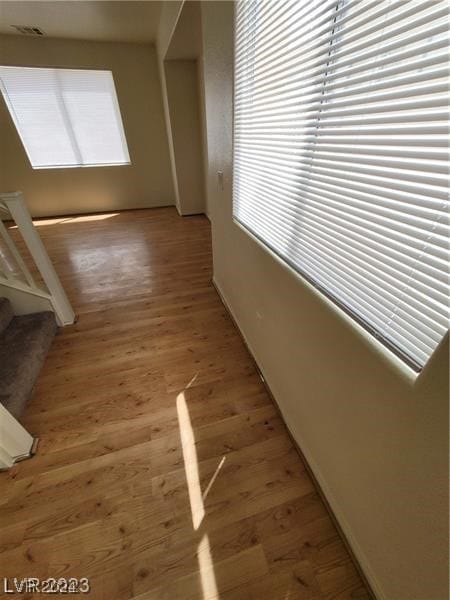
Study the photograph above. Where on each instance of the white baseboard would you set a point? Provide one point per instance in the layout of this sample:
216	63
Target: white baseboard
333	505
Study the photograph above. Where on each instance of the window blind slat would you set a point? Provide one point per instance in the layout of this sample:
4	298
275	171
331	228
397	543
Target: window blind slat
289	97
343	108
340	162
367	156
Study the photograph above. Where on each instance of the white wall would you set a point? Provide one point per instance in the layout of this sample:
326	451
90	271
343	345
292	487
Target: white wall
146	182
178	47
375	438
185	124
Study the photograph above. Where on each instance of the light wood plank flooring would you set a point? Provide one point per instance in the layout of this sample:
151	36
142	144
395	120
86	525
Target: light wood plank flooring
164	470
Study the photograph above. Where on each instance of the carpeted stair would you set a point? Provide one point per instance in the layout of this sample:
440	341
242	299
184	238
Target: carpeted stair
24	343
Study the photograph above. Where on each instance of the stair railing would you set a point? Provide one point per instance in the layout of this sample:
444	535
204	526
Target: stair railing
13	205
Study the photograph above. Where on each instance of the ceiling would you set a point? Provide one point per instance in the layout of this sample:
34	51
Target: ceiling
103	20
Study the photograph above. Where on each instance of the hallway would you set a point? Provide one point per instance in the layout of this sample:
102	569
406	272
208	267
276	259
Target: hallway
164	470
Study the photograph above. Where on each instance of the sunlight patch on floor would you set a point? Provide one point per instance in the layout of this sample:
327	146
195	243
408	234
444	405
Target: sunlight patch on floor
190	462
207	576
205	562
213	478
63	220
192	381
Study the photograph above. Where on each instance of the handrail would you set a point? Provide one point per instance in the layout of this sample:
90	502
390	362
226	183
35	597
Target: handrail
15	205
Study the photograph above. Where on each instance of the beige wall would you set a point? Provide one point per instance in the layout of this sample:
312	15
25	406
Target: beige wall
170	13
146	182
203	128
375	438
179	48
184	109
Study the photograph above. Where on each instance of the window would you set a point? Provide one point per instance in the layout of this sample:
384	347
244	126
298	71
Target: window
65	117
340	155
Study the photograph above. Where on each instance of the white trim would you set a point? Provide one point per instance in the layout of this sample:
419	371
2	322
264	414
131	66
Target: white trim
56	294
15	441
16	255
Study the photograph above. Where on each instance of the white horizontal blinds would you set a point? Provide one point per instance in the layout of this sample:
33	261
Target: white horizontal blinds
65	117
35	109
341	160
92	107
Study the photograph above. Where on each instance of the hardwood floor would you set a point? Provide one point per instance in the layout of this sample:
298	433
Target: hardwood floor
164	470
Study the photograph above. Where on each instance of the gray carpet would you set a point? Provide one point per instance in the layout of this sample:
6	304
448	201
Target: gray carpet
24	343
